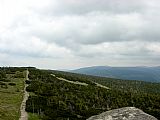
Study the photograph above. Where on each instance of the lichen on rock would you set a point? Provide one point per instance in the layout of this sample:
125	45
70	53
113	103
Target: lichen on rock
126	113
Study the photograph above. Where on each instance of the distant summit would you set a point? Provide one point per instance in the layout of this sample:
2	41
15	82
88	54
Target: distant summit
149	74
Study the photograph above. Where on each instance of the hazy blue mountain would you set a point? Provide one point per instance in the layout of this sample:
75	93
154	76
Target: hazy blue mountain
150	74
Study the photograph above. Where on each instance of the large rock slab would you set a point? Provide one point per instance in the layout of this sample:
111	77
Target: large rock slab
126	113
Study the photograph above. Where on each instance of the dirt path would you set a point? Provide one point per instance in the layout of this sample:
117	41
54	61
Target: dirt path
24	114
102	86
73	82
80	83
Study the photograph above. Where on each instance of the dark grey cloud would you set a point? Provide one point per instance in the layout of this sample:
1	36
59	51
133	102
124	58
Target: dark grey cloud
98	28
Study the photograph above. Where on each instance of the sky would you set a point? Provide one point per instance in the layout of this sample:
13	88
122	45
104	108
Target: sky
68	34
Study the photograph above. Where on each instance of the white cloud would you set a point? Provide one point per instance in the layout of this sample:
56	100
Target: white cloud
73	32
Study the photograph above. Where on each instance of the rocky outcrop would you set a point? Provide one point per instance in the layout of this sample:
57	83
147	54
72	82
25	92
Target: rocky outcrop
127	113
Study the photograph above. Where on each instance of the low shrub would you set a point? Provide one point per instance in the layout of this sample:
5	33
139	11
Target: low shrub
12	84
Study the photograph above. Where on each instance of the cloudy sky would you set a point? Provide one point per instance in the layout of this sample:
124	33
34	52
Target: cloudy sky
67	34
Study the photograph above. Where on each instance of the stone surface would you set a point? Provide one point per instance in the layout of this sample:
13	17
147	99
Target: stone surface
127	113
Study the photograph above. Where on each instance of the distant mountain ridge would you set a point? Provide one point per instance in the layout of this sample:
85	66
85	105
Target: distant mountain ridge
149	74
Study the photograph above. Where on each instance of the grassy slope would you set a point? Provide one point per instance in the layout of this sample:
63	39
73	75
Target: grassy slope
11	99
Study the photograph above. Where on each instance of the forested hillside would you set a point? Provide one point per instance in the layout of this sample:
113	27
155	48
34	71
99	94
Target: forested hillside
149	74
52	98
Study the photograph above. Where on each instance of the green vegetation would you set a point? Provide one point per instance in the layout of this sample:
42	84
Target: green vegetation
32	116
124	85
11	94
54	99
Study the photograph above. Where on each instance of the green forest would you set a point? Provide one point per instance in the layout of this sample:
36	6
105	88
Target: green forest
53	99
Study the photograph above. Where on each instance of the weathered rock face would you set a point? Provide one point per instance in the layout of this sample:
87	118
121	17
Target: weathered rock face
127	113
